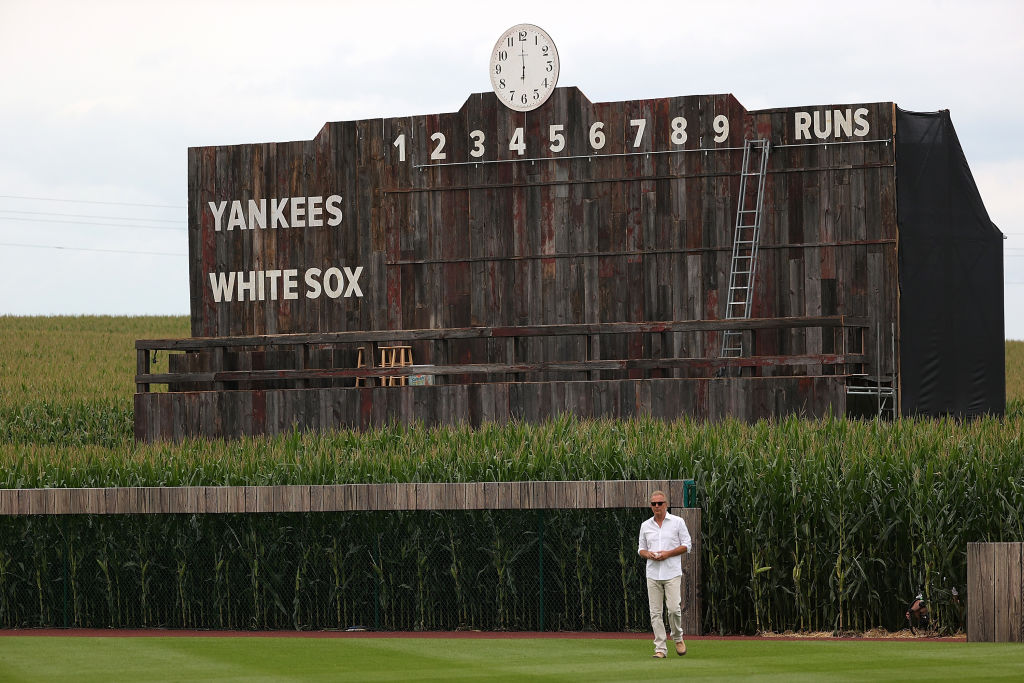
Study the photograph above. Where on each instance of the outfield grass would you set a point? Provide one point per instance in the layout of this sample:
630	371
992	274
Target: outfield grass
432	659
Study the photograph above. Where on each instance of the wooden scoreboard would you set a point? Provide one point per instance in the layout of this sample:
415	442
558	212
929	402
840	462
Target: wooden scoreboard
498	264
574	213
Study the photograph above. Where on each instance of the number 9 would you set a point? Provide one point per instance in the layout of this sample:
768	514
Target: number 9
721	126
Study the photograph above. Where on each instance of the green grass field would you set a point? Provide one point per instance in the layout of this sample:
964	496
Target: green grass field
432	659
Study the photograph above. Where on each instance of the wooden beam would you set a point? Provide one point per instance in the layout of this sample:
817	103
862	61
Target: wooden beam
582	495
364	336
490	368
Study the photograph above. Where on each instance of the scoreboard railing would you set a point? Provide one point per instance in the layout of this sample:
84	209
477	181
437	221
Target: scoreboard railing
330	359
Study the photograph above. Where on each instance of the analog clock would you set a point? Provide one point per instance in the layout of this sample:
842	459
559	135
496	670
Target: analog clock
524	67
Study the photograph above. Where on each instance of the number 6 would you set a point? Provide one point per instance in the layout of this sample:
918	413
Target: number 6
597	138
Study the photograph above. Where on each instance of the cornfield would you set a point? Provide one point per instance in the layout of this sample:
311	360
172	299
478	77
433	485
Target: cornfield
807	525
394	571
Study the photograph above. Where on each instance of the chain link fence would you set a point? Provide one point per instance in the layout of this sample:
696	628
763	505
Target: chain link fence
397	570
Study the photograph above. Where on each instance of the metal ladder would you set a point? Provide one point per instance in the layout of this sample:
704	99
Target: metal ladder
744	245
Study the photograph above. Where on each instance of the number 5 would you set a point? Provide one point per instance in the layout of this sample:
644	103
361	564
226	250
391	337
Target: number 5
557	139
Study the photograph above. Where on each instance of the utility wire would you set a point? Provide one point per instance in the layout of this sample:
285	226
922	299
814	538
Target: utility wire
107	251
102	225
89	215
89	201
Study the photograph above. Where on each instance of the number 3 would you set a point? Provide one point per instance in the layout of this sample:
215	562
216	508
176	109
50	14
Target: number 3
478	144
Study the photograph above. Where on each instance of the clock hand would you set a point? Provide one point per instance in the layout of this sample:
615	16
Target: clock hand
522	53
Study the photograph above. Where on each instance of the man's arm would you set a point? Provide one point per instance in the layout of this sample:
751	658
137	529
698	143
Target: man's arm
642	549
665	554
684	536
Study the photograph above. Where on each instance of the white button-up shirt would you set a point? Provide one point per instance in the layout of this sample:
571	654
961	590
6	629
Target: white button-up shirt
670	535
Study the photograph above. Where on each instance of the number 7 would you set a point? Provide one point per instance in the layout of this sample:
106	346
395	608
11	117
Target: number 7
640	125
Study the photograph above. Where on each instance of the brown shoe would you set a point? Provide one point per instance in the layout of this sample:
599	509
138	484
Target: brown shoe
680	648
659	655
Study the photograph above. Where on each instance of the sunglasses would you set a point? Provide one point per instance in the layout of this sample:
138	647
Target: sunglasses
660	502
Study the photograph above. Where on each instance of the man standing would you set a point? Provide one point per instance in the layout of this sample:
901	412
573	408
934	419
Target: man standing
663	539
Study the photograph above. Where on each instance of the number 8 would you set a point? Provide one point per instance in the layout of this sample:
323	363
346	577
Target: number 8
678	130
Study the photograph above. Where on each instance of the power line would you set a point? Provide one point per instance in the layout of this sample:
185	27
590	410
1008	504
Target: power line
102	225
107	251
89	201
89	215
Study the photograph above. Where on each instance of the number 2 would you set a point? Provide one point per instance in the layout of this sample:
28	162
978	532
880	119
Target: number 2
438	154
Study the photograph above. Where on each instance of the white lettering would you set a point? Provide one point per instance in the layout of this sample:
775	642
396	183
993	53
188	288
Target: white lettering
247	286
298	212
860	117
218	212
262	285
353	277
315	212
272	276
237	220
333	291
277	213
831	124
312	284
223	285
289	284
802	124
294	212
334	209
258	214
843	122
822	132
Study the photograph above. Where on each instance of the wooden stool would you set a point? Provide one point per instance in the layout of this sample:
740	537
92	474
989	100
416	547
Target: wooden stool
395	357
361	358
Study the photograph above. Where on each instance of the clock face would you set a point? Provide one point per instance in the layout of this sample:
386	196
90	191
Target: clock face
524	67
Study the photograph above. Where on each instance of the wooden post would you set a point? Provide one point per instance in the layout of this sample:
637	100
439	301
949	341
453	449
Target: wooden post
142	368
218	365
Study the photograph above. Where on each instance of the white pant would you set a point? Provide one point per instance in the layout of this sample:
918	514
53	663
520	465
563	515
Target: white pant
665	593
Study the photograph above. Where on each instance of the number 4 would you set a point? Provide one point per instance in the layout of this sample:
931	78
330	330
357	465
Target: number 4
516	144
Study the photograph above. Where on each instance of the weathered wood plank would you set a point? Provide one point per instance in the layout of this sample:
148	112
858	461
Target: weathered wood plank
323	498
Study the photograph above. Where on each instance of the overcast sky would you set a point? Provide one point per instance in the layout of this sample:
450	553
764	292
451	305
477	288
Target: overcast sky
99	102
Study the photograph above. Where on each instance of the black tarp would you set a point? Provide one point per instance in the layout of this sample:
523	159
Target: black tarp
950	277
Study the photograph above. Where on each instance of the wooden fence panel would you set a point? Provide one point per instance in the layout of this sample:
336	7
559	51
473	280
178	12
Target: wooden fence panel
521	495
995	592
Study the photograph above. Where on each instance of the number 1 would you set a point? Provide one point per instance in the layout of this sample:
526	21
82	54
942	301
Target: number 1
400	144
